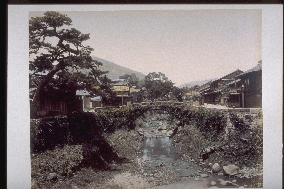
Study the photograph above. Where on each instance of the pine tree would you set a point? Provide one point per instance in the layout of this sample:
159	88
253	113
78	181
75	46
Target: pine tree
58	54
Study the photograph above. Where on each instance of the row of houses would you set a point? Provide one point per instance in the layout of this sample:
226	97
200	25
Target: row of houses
52	103
237	89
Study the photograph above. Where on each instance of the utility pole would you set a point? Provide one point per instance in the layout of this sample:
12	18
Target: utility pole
83	103
243	96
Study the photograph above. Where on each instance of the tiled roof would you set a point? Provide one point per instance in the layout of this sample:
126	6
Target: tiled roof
229	76
119	82
234	81
257	68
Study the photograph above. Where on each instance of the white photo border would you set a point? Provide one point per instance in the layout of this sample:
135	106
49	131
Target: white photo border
18	116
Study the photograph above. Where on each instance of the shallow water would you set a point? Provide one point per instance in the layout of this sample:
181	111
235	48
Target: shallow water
158	154
158	148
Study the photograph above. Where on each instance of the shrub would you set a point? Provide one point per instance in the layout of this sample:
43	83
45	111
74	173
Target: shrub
48	132
62	161
245	142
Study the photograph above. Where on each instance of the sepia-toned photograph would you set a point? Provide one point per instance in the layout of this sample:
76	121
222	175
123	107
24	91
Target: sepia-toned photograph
134	99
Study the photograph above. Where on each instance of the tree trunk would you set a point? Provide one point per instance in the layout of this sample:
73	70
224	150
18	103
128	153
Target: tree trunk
35	105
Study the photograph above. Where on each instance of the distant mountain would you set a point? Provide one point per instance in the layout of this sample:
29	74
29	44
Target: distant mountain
193	83
116	70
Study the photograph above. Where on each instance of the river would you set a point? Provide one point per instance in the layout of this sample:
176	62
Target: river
160	163
158	159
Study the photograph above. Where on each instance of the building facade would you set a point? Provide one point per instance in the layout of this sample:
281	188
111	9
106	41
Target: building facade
219	91
251	82
237	89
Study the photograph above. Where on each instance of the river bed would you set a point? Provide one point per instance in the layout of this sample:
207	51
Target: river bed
161	166
158	160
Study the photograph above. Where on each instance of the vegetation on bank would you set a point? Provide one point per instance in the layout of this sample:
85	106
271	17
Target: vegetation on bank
84	127
78	128
96	139
227	138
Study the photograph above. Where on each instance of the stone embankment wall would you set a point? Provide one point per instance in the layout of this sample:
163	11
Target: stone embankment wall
240	142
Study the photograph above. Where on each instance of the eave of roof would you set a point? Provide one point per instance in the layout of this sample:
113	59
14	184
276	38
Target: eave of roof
257	68
96	99
224	77
82	93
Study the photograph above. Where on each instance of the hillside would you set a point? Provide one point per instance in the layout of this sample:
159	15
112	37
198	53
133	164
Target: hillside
116	70
193	83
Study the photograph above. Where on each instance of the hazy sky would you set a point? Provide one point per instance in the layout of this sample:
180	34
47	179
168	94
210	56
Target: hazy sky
185	45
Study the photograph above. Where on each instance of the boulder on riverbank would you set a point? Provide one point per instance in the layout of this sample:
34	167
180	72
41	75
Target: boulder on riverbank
216	168
231	169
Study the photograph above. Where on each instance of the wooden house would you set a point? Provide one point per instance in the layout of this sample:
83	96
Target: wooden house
237	89
213	92
231	94
53	107
88	101
122	90
251	87
55	102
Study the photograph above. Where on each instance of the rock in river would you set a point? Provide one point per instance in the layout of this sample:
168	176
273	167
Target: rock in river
231	169
213	183
162	127
52	176
222	182
203	175
216	167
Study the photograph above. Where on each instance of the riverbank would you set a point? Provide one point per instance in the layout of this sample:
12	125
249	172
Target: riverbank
236	156
157	147
62	167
